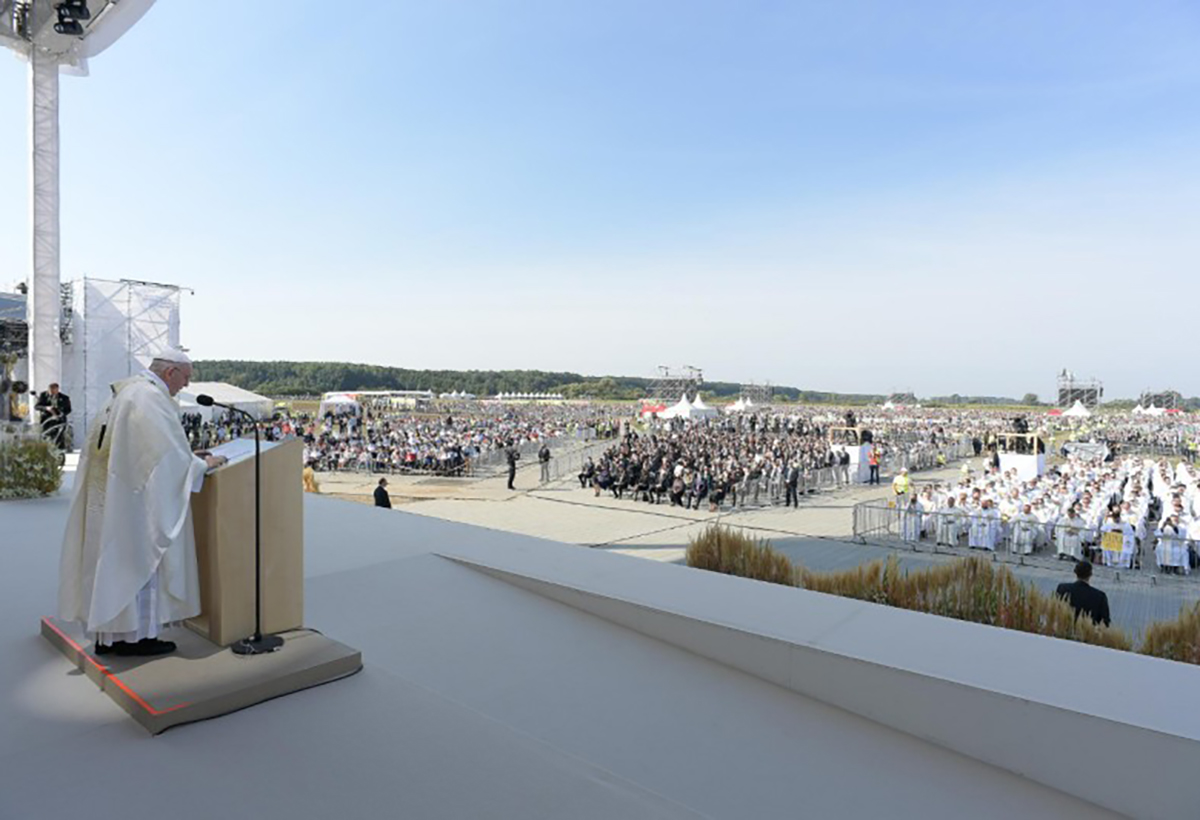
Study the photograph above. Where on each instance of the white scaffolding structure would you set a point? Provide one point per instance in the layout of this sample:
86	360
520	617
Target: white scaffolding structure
119	327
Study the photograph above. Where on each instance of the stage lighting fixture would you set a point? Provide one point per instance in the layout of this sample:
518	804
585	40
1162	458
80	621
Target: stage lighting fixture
75	9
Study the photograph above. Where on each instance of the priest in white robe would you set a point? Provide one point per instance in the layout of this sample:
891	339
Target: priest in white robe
910	520
128	562
949	524
1025	531
985	528
1070	536
1123	555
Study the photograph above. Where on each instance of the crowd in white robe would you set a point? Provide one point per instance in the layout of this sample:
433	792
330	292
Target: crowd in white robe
1120	514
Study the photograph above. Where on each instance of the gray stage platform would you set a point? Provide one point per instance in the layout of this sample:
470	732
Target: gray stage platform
201	680
481	698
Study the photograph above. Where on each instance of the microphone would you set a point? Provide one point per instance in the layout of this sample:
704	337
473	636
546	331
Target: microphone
258	643
205	400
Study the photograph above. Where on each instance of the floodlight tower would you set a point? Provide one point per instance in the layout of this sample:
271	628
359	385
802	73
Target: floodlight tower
54	35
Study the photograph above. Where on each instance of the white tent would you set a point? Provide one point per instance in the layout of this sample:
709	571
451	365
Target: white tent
702	410
338	404
1139	410
738	406
254	404
1078	411
1155	411
681	410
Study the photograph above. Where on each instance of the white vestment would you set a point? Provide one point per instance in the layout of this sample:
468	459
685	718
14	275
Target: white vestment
1172	550
910	518
949	523
129	552
1025	528
985	529
1070	534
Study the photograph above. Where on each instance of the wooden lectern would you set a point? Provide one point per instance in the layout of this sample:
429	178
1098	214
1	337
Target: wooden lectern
223	512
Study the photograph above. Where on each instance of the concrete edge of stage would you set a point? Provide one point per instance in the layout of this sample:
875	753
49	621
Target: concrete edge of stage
933	678
200	680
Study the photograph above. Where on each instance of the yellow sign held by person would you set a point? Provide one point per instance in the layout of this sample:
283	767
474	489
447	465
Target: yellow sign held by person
1113	541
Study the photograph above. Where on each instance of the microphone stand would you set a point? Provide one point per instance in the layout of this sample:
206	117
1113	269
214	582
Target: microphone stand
258	643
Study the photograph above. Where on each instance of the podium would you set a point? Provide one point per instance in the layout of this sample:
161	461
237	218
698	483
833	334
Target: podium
223	514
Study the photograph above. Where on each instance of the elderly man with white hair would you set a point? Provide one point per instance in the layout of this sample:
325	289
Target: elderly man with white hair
129	553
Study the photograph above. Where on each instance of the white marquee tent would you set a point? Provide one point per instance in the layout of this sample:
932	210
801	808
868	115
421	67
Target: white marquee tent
701	410
338	404
680	410
254	404
1078	411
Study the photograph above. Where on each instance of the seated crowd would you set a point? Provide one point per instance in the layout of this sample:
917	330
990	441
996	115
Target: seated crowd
763	458
1117	513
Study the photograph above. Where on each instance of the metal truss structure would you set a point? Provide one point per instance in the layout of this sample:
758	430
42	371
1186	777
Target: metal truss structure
670	384
1071	389
758	393
1166	399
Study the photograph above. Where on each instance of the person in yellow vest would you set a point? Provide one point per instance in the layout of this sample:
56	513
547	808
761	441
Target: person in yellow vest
901	486
310	479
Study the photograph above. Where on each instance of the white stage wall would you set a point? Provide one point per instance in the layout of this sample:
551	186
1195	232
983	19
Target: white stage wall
1027	465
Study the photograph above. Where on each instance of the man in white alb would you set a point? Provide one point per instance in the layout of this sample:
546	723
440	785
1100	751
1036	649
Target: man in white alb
129	553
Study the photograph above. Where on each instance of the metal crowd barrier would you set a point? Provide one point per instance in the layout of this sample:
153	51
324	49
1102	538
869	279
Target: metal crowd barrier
887	521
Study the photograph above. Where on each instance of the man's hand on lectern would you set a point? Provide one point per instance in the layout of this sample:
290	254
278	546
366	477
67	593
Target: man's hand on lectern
214	462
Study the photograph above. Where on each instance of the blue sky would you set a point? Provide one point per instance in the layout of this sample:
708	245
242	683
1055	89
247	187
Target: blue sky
858	196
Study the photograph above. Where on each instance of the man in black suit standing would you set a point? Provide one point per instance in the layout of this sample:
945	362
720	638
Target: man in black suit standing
792	481
511	455
382	499
1083	597
53	408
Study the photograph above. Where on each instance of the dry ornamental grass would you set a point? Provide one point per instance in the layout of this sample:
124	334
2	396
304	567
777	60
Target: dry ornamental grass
970	589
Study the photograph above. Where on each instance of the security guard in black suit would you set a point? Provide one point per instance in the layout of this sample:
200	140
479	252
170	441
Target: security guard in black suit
1083	597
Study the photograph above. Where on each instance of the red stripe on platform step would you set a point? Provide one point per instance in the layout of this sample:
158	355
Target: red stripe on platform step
108	673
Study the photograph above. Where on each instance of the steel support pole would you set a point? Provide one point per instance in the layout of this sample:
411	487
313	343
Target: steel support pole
45	296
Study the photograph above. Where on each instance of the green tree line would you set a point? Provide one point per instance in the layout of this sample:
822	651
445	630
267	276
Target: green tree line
278	378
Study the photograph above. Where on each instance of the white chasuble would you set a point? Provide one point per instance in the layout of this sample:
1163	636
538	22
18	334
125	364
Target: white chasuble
130	526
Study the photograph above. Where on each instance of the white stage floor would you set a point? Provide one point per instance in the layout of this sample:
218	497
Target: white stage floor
479	699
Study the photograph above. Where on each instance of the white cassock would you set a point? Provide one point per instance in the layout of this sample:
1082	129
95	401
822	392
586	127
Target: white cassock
1025	530
985	529
1070	536
910	521
1171	550
949	525
129	552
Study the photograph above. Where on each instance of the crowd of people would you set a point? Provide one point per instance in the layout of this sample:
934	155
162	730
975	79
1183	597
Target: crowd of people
380	438
755	458
770	456
1121	513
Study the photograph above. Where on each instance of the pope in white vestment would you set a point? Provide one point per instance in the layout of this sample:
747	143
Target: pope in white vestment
129	554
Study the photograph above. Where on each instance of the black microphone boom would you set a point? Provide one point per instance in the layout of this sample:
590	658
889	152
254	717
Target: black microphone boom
258	643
